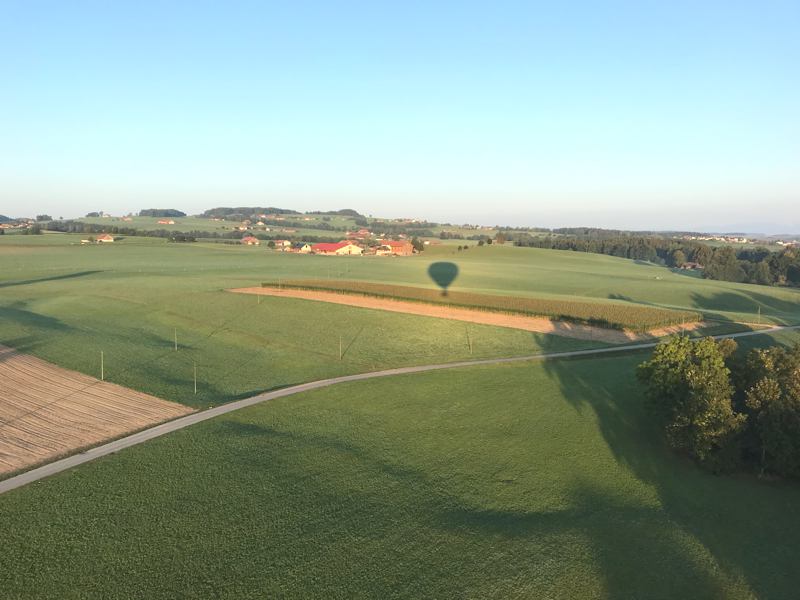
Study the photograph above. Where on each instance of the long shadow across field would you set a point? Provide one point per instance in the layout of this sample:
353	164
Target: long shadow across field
50	278
627	540
746	525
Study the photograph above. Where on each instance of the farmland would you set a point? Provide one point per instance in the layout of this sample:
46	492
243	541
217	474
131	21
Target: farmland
494	482
66	303
516	480
618	316
47	411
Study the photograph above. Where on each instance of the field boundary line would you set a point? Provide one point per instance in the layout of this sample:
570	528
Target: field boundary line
145	435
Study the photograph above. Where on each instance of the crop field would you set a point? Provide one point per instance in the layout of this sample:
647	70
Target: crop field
65	303
46	411
531	480
617	316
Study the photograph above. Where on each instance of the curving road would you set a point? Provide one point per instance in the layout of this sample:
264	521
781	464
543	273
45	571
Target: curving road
170	426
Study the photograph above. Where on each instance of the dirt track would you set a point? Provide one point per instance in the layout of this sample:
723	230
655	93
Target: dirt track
47	411
498	319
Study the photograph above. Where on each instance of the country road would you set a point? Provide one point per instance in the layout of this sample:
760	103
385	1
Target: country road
176	424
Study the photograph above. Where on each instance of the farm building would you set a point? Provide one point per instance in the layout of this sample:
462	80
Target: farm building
282	244
105	238
249	240
302	247
391	248
166	222
339	249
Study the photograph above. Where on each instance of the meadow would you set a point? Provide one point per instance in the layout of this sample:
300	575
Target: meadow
66	303
527	480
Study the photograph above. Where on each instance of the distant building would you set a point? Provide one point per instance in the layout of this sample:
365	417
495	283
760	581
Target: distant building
338	249
282	244
105	238
392	248
249	240
166	222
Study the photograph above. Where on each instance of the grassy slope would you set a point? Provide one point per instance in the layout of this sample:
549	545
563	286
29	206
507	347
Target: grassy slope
66	303
541	480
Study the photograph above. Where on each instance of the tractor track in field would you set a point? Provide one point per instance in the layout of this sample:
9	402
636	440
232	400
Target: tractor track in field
179	423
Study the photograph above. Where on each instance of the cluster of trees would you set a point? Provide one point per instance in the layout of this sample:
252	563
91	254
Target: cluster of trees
245	212
727	411
161	212
748	265
44	218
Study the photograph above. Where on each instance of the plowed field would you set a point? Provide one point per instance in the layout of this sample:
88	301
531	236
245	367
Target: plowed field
47	411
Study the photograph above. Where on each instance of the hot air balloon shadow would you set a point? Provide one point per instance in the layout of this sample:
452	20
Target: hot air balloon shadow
443	273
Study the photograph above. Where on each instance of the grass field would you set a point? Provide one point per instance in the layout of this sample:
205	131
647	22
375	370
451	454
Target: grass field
532	480
65	303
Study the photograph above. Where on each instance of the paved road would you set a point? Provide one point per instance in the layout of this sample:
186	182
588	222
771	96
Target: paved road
159	430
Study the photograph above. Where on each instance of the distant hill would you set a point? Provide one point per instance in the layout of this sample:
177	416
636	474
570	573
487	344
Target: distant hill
245	212
5	219
161	212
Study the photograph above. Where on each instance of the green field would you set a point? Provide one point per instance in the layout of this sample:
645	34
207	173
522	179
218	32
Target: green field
524	481
66	303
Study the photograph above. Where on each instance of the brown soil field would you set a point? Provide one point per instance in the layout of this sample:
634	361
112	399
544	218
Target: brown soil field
498	319
47	411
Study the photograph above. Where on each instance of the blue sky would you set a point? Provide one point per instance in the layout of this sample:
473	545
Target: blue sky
649	115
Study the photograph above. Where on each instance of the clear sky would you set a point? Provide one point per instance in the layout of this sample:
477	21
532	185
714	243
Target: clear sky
642	114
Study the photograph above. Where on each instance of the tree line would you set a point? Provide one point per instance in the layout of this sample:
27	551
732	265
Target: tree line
726	410
747	265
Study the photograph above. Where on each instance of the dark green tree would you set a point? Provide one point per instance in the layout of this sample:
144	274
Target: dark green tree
773	399
689	388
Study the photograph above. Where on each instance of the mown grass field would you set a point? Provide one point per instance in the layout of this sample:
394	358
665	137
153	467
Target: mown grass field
65	303
524	481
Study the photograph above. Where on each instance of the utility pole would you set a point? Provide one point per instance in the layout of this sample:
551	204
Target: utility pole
340	347
759	314
102	368
176	339
195	377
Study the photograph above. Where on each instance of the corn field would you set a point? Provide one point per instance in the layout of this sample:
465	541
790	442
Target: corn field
612	315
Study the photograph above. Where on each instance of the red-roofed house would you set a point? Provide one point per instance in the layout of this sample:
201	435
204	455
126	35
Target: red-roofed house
250	240
338	249
105	238
391	248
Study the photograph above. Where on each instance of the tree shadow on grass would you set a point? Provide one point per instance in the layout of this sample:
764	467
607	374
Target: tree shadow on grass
50	278
628	542
744	524
749	302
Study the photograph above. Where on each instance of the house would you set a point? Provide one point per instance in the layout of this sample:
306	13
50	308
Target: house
249	240
282	244
392	248
105	238
339	249
166	222
302	247
691	266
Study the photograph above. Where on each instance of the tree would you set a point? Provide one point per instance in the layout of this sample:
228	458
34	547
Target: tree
702	255
92	215
724	266
689	389
500	238
44	218
480	242
418	245
678	258
773	400
489	241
